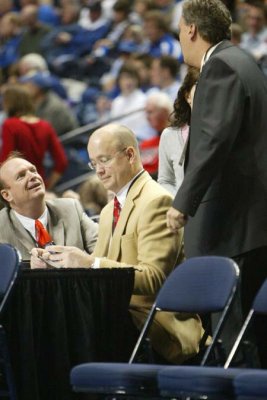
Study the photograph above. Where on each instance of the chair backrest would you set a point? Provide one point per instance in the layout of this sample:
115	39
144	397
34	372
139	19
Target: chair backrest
259	306
260	301
9	266
199	285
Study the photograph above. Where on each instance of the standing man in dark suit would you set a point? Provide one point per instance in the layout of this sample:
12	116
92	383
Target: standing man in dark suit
223	198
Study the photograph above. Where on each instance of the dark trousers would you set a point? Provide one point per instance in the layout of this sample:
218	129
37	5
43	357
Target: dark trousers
253	272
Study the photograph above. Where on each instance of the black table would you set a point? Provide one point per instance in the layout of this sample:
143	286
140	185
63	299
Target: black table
59	318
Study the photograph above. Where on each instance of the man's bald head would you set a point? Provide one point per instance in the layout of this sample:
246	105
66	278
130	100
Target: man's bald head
114	153
118	135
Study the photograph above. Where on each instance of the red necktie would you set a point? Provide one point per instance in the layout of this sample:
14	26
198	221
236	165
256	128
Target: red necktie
116	212
42	236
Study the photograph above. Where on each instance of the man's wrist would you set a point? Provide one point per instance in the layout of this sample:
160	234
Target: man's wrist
96	263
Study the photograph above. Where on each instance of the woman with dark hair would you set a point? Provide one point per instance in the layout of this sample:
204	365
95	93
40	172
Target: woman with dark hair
33	137
173	138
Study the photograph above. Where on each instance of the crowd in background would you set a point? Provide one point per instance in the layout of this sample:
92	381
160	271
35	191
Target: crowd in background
89	61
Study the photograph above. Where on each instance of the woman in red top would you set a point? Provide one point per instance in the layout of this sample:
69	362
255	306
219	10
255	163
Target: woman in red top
33	137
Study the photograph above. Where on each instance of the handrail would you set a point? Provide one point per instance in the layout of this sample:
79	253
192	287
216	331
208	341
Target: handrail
69	136
73	182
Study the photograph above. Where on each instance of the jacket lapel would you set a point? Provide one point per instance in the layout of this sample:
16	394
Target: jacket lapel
55	225
133	194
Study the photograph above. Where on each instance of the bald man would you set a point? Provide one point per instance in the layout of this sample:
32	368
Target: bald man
140	239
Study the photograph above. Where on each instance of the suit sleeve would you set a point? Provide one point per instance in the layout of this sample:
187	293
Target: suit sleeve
89	229
156	247
219	105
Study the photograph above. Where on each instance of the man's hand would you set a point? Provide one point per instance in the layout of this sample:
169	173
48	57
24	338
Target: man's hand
35	260
68	257
175	219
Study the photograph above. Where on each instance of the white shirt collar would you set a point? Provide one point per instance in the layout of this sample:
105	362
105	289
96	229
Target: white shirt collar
207	55
29	223
122	194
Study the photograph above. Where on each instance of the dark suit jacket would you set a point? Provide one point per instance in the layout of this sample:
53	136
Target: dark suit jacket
225	186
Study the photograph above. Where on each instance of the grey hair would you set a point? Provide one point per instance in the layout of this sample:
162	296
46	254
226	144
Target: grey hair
211	18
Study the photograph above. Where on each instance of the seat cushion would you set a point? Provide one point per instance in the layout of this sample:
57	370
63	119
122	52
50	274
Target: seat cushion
197	380
115	378
251	383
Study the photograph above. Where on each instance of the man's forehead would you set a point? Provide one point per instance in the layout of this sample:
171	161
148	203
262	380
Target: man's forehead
14	165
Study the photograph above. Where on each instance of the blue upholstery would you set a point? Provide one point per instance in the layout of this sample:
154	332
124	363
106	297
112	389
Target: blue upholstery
196	381
115	377
196	278
200	284
260	302
251	384
9	266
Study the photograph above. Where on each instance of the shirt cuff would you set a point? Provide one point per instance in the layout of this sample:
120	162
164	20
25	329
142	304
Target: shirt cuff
96	263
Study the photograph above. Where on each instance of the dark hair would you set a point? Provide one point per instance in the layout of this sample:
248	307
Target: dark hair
211	17
182	110
171	63
122	6
17	101
159	19
129	69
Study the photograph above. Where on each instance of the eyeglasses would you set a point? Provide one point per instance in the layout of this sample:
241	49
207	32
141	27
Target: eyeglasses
105	160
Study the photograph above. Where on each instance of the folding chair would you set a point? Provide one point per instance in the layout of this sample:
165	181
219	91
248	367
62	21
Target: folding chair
199	285
9	266
251	385
211	382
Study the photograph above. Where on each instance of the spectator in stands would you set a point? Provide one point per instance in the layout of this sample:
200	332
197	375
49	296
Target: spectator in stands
10	37
23	131
67	42
120	21
254	39
131	100
6	6
158	109
93	195
23	192
48	105
161	40
139	238
34	31
173	139
236	34
32	63
164	75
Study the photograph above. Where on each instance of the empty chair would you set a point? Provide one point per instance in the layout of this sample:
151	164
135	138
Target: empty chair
212	382
199	285
251	385
9	265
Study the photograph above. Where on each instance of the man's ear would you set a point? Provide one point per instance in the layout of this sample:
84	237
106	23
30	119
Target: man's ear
130	153
6	195
192	31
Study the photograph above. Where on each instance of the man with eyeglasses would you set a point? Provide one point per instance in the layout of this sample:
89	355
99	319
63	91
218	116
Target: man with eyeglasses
133	232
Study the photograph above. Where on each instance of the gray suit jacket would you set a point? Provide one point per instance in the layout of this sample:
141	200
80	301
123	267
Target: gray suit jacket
225	185
67	224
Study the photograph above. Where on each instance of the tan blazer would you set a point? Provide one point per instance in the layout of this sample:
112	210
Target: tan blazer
141	239
67	224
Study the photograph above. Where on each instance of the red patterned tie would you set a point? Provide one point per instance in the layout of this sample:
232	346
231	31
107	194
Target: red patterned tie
42	236
116	212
